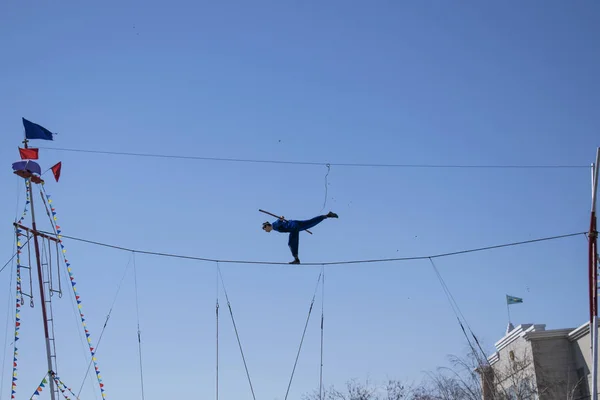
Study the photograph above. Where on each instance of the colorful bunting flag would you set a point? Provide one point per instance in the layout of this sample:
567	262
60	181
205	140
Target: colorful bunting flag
40	387
77	296
62	387
19	300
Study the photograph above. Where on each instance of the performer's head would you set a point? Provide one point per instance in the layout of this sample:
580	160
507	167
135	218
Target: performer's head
267	227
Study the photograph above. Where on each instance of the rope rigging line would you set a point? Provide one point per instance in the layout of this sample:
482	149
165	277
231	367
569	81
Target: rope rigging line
258	161
9	314
457	311
60	293
29	268
105	324
322	321
454	306
18	221
45	263
236	332
326	189
303	334
51	213
137	311
449	293
13	257
454	253
8	262
49	293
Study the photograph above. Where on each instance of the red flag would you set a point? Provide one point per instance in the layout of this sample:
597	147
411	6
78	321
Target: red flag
28	154
56	170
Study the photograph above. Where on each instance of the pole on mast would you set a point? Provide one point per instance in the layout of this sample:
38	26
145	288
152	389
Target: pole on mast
593	276
41	286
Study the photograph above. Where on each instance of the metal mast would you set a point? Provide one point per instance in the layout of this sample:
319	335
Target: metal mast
49	354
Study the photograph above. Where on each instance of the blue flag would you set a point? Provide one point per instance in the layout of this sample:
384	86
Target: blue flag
513	300
35	131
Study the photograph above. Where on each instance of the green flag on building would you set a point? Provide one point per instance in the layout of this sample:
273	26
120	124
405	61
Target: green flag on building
513	300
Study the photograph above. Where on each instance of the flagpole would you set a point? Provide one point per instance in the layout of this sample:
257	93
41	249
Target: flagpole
593	278
508	310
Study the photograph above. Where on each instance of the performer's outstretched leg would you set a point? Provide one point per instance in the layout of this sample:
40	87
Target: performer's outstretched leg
293	242
303	225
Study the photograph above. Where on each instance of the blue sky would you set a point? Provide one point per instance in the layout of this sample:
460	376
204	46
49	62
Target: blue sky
340	82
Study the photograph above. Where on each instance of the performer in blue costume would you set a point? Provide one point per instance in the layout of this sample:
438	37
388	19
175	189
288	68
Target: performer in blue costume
294	227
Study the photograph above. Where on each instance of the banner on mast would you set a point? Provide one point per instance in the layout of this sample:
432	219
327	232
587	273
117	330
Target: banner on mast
28	154
35	131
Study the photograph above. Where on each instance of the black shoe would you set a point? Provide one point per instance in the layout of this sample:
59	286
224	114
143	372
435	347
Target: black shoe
296	261
332	215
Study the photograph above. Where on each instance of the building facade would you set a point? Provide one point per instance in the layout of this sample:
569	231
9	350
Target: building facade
531	362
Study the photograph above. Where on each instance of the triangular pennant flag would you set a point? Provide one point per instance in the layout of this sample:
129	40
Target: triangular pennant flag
56	170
